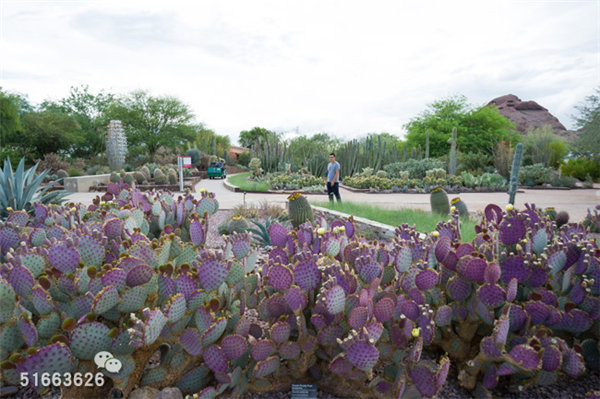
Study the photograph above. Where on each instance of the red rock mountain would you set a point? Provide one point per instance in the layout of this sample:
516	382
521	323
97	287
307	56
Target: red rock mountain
527	115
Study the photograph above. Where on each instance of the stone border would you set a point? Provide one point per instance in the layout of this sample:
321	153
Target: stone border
236	189
380	230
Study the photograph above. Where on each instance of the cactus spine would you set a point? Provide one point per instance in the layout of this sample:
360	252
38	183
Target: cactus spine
452	160
439	201
514	173
116	145
299	209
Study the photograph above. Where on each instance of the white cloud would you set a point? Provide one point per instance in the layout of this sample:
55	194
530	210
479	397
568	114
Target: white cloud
347	68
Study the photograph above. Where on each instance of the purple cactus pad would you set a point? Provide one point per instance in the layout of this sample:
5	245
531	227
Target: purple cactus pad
552	358
215	359
426	279
307	275
424	380
384	309
491	295
526	357
191	342
262	349
280	277
363	355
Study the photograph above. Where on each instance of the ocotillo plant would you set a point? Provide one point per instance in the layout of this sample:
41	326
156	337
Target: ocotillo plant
452	160
116	145
514	173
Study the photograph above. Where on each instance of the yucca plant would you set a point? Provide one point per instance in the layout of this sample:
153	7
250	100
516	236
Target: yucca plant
19	190
261	234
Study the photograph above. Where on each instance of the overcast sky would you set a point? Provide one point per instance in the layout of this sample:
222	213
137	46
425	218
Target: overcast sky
343	67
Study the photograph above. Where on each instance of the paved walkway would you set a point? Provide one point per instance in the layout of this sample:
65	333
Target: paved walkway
576	202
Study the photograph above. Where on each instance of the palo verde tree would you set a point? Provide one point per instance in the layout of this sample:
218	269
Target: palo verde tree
89	111
588	122
478	128
151	122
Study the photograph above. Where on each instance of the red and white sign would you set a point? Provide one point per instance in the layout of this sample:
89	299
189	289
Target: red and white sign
187	162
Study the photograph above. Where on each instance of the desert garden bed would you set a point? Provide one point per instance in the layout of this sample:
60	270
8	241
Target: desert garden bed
514	309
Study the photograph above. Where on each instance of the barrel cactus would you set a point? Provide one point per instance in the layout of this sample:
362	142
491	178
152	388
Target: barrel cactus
299	209
237	224
439	201
460	205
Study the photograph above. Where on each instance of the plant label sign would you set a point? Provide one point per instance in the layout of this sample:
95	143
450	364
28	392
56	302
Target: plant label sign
304	391
187	162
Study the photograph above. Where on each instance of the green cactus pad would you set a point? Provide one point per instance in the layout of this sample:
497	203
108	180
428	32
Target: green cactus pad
266	367
8	300
153	326
132	299
48	324
175	308
214	332
35	263
154	376
88	339
105	300
10	339
121	345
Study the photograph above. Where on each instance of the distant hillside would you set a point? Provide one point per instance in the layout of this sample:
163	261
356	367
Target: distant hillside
527	115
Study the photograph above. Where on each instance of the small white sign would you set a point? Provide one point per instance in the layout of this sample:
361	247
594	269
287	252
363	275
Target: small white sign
187	162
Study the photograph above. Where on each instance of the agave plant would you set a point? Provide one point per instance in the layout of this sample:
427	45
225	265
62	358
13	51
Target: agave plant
261	234
19	190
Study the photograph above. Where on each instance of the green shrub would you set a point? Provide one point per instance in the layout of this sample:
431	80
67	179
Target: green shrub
474	161
367	172
74	172
195	155
533	175
543	146
244	158
293	181
562	181
437	173
581	167
493	181
415	168
382	174
468	179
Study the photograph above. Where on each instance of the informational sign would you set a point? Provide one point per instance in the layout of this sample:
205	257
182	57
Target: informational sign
187	162
304	391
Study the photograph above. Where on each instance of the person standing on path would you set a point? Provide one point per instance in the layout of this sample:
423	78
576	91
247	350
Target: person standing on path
333	179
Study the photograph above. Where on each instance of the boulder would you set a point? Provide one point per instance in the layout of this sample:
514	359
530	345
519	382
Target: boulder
528	115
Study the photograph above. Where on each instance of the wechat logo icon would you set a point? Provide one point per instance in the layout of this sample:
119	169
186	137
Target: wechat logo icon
105	360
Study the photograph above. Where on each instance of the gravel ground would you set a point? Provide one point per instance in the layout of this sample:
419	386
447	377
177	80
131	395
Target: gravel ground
565	388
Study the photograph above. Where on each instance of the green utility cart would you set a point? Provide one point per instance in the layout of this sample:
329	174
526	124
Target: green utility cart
217	169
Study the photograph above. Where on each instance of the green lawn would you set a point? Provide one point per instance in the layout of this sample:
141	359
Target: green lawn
241	181
425	221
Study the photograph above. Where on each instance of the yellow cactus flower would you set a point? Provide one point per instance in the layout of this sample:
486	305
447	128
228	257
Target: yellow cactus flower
416	332
236	218
342	228
102	203
436	234
8	208
453	208
510	207
202	190
321	231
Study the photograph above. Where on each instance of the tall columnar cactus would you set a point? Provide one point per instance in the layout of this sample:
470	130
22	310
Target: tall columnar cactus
513	184
299	209
439	201
452	159
427	144
116	145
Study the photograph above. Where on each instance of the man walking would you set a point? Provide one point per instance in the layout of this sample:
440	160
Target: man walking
333	179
